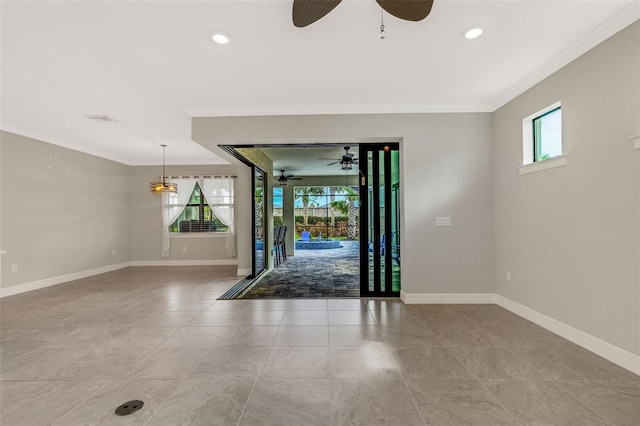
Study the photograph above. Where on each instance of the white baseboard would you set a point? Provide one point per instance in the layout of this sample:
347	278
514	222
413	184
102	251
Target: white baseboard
447	298
243	272
207	262
48	282
608	351
598	346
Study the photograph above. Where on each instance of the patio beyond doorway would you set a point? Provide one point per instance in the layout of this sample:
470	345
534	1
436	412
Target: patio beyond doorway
313	273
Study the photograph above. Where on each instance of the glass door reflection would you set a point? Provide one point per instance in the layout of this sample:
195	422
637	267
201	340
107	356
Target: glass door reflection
259	230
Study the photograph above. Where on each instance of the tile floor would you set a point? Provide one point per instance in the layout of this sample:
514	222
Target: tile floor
70	354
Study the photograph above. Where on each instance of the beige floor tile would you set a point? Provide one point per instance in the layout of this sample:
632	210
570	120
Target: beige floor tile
364	362
402	335
350	318
229	305
524	336
249	335
196	337
355	335
191	305
217	401
617	401
496	363
542	403
251	317
570	362
302	335
39	364
347	305
38	403
429	363
458	402
240	362
306	318
296	363
288	402
167	363
99	364
213	318
99	409
463	335
378	402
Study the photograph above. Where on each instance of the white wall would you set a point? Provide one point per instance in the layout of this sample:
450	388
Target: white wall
446	162
569	259
62	211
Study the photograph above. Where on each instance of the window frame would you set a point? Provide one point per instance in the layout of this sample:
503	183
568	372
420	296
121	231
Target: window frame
201	207
529	161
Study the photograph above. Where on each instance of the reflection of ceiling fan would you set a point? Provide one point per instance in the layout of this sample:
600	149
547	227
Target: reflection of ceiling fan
282	179
306	12
346	161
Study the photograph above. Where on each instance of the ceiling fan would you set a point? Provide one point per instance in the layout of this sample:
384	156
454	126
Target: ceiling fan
306	12
283	179
346	161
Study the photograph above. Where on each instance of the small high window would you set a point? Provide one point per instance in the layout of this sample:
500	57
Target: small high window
542	140
547	135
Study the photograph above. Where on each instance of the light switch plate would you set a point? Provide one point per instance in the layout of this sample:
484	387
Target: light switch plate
443	221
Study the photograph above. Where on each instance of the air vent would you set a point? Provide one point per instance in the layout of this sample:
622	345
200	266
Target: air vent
102	118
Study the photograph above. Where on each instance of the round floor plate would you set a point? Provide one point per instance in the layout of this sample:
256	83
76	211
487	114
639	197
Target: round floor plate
129	407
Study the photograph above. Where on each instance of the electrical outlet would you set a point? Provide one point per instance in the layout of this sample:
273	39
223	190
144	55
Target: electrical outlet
14	267
443	221
507	276
184	249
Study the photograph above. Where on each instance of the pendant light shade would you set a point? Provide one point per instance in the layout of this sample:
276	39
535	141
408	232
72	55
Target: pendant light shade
163	186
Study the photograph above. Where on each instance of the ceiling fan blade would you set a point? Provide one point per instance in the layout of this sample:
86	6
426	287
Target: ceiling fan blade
295	178
306	12
409	10
335	162
324	158
349	154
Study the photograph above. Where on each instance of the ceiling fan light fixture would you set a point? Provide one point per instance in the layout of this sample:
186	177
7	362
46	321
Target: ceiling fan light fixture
220	37
346	166
472	33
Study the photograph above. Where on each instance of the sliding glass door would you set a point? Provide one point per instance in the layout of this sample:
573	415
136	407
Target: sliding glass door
379	220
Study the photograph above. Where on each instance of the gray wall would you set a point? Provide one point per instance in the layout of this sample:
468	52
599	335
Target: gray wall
568	258
146	218
446	162
62	211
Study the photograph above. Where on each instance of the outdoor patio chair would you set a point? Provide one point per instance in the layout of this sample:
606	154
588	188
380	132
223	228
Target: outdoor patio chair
276	237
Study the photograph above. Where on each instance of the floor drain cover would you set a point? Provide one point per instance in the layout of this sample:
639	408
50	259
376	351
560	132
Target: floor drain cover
129	407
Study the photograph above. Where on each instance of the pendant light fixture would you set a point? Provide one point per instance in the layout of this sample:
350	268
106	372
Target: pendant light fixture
162	187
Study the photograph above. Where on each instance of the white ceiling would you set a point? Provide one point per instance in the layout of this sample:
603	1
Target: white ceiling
151	65
310	160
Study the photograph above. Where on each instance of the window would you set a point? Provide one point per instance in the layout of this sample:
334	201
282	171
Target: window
197	216
542	140
277	206
547	135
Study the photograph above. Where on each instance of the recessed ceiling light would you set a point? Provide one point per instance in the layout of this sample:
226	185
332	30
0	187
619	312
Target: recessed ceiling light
220	37
473	32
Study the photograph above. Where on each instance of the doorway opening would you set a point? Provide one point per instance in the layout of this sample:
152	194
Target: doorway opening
326	220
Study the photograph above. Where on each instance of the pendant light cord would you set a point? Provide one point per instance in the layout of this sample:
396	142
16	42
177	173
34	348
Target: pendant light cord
382	33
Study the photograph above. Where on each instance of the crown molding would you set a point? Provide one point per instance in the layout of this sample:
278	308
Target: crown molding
337	109
620	21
